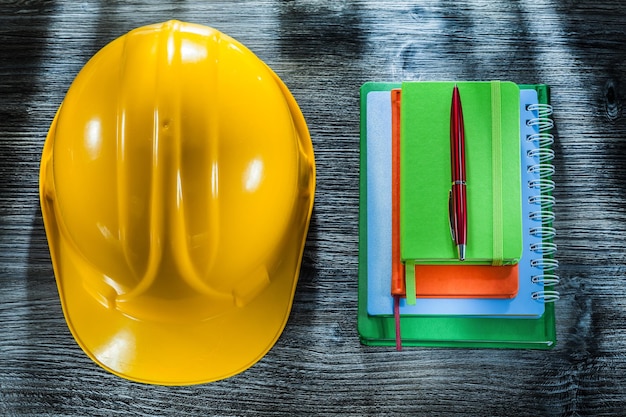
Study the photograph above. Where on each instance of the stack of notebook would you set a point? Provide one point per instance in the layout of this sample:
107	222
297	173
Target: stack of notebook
413	289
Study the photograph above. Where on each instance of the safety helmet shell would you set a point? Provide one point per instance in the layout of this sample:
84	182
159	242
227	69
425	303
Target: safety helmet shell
177	185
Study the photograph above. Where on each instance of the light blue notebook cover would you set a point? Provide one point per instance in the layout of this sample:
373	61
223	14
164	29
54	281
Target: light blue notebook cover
379	300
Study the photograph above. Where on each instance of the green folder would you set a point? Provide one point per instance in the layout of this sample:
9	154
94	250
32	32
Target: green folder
492	150
443	331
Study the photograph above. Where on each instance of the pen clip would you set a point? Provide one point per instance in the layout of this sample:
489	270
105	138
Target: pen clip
451	215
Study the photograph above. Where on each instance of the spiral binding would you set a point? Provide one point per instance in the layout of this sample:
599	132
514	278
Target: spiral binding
540	166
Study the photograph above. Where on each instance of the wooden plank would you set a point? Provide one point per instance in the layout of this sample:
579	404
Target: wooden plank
324	51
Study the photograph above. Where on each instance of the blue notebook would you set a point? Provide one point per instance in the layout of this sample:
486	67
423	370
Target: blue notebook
531	297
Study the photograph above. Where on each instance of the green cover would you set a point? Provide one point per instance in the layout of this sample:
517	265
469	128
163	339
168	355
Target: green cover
447	331
493	188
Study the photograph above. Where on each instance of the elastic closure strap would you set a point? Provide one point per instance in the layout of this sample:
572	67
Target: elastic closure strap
496	172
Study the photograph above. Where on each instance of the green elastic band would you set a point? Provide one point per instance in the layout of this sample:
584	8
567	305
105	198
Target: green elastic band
409	276
496	171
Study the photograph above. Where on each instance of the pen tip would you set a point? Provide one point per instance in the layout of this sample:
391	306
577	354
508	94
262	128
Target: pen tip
461	249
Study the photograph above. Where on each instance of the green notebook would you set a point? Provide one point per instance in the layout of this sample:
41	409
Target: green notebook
450	331
492	149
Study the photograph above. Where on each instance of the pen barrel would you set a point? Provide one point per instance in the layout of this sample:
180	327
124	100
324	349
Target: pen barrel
459	209
457	160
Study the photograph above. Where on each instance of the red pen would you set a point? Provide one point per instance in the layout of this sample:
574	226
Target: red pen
458	193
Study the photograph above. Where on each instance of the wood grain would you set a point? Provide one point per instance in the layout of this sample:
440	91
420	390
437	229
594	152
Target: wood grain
324	50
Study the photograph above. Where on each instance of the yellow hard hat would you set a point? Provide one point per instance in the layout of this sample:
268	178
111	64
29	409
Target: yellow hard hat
176	185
